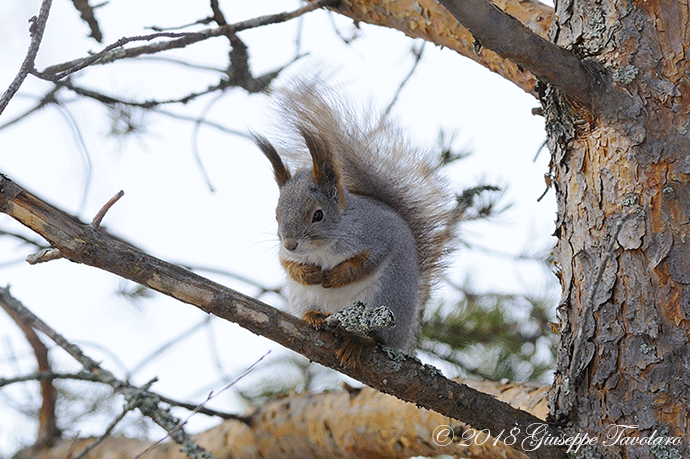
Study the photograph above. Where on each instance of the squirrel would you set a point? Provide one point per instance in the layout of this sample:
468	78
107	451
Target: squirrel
364	218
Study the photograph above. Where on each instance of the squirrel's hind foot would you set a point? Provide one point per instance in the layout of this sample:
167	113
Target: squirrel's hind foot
316	319
351	348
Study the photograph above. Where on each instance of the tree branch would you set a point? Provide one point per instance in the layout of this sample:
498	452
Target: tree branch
333	414
428	20
321	426
381	368
49	98
48	431
86	13
84	376
115	51
38	25
141	398
146	104
506	36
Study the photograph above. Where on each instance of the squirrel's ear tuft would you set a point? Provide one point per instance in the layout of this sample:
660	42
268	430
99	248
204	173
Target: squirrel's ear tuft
282	174
325	170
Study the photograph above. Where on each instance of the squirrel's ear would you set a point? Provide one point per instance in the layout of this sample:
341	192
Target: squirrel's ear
325	170
282	174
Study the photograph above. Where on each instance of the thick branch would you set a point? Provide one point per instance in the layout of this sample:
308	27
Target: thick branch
506	36
428	20
332	415
381	368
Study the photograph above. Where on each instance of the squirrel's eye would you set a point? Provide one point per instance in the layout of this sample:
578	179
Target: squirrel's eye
318	216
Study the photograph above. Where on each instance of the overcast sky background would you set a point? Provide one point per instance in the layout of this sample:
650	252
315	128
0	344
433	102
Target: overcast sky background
169	210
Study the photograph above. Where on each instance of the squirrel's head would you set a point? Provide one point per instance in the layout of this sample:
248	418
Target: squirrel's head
311	200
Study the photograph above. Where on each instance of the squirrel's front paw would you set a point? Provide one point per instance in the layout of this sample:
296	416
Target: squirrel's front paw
303	274
311	275
316	319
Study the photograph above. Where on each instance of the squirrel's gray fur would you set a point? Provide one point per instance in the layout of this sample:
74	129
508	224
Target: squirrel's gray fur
397	207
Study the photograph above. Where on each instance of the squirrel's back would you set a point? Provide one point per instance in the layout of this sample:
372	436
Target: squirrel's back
377	161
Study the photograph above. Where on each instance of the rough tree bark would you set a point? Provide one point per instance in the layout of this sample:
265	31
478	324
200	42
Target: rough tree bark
621	177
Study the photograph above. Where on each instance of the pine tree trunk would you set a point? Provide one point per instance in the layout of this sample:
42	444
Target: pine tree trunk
621	179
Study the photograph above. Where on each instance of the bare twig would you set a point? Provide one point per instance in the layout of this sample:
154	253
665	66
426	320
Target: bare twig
28	317
106	433
21	237
195	142
204	21
199	407
115	51
48	431
96	222
84	376
42	375
81	143
47	99
52	253
205	410
218	15
417	53
38	25
110	100
346	40
43	255
86	13
183	63
204	122
147	403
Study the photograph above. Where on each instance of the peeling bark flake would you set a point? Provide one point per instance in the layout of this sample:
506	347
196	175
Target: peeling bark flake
630	236
182	291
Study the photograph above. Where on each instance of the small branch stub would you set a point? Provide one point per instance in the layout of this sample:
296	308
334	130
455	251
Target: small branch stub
43	255
53	253
96	222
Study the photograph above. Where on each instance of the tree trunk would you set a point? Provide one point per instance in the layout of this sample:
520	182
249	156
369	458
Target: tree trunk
621	178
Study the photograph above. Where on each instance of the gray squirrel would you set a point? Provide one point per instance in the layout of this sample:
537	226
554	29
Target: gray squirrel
364	217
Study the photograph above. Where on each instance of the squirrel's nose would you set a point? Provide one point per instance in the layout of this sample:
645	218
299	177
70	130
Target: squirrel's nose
290	243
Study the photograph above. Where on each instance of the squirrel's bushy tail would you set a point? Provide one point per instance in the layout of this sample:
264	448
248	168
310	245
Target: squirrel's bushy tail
375	160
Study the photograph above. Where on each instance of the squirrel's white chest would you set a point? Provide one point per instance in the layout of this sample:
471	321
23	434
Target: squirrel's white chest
302	298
